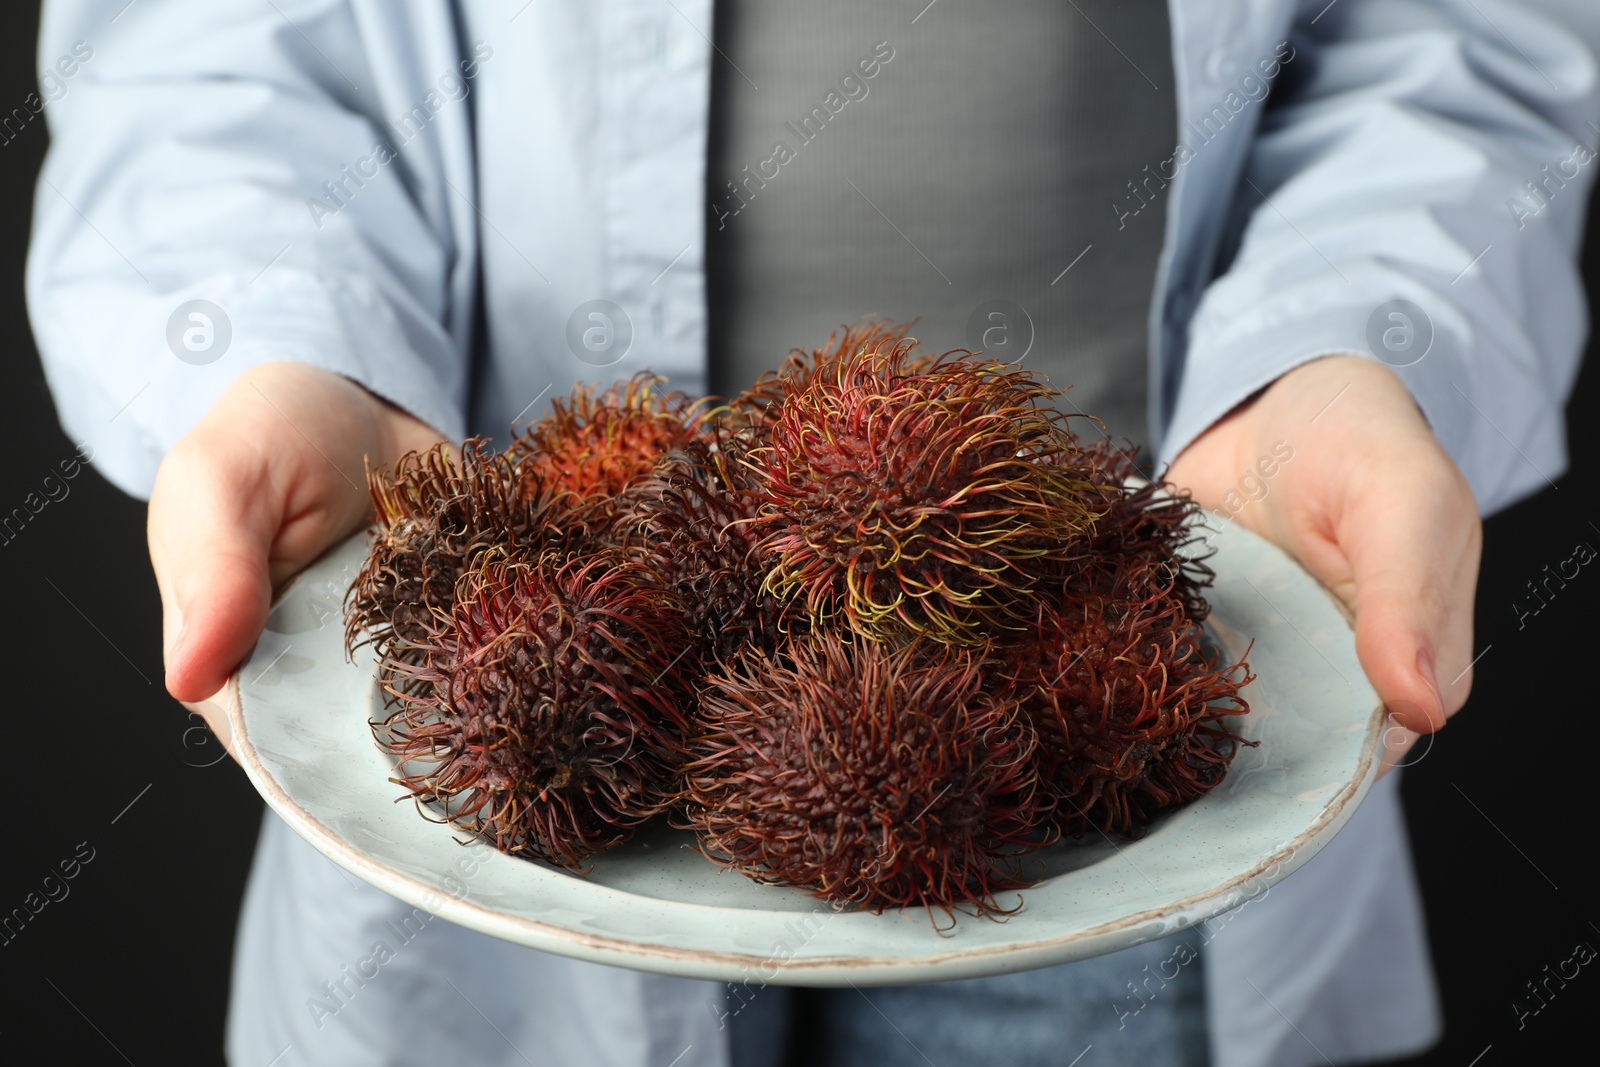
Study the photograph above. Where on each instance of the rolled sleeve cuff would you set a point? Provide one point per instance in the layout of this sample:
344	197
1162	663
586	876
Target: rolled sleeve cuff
341	324
1506	451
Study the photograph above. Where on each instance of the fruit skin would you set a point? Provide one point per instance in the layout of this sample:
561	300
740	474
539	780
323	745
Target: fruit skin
1128	705
866	773
435	515
1146	538
596	445
875	629
692	521
919	498
546	713
753	408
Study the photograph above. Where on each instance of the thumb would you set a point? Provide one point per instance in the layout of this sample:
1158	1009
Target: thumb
1396	637
1413	558
211	523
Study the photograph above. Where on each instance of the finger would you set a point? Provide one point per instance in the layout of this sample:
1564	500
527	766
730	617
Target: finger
212	520
1413	552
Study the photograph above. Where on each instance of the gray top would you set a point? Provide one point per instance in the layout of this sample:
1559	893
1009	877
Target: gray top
956	174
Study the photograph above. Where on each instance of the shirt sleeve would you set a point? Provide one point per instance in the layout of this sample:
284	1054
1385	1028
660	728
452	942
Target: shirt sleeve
1416	193
231	184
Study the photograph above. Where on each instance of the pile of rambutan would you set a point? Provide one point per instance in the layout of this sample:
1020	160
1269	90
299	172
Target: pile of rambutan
877	628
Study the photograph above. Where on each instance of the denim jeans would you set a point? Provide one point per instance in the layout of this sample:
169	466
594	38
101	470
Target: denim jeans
1144	1005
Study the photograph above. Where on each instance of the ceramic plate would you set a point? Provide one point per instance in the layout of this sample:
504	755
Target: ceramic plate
300	714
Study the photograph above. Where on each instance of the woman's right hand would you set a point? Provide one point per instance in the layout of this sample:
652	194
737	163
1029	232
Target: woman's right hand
269	479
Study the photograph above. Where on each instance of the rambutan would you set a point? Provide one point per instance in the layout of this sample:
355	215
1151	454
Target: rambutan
434	516
754	406
692	516
1145	539
596	445
545	714
918	500
874	630
1127	703
867	773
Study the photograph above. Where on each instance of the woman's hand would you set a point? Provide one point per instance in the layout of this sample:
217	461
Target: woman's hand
268	479
1373	508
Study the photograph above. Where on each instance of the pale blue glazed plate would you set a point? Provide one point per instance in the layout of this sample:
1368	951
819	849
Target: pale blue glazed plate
300	715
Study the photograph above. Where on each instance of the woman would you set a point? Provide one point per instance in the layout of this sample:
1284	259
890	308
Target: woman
274	239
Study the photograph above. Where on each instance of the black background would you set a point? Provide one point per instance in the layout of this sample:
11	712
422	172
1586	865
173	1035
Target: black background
133	964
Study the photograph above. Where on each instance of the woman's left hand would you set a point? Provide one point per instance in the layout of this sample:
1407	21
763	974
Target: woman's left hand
1371	506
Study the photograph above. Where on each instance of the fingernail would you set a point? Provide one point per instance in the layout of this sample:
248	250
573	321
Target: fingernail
1430	676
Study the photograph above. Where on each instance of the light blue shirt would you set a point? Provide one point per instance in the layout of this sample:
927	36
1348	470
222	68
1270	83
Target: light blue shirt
346	181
